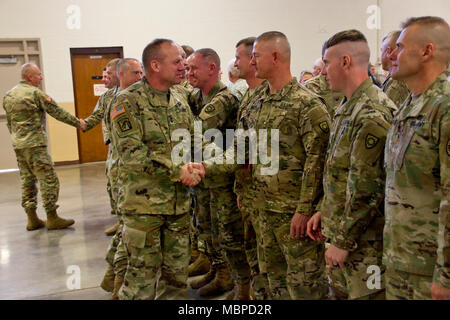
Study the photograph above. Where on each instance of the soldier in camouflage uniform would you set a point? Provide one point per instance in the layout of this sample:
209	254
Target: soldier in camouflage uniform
320	86
243	185
220	221
394	89
287	198
417	160
26	107
352	207
153	204
99	116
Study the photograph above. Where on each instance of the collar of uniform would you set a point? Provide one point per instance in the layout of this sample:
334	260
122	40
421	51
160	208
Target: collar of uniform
219	86
279	95
413	109
24	82
386	80
347	107
158	97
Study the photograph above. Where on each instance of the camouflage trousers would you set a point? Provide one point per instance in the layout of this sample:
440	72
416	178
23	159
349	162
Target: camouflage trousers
207	226
295	267
402	285
254	247
356	280
116	255
112	174
196	243
35	165
158	256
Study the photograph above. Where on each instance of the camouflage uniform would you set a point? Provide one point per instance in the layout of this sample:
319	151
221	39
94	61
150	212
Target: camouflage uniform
238	89
245	189
417	159
319	86
222	229
100	114
396	90
295	267
25	107
352	207
153	205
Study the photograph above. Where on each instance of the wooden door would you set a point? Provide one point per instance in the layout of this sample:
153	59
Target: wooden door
87	67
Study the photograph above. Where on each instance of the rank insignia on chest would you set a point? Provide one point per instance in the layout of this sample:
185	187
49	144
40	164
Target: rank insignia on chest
371	141
117	111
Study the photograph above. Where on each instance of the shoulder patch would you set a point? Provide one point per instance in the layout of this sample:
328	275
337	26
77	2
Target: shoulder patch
371	141
324	127
124	124
448	147
210	109
117	111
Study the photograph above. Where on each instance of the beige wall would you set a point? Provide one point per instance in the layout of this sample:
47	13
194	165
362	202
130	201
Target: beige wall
201	23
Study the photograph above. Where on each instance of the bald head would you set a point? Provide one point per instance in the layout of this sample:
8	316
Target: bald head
318	66
31	73
276	41
430	30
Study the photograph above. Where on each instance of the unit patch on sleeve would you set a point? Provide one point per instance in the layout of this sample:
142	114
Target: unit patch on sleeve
371	141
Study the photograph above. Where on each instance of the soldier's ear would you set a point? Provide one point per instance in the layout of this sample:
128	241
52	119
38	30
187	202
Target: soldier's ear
345	61
155	66
428	51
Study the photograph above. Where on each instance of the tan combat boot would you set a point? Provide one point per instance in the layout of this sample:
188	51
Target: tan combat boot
118	281
108	282
194	254
113	229
205	279
199	266
33	221
55	222
231	294
221	283
242	292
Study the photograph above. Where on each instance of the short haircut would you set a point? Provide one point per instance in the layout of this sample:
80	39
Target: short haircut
232	69
210	55
346	35
187	49
391	38
124	64
26	69
424	21
305	72
248	44
282	45
113	63
270	35
153	51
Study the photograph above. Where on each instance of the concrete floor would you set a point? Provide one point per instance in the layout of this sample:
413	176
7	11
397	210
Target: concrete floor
43	264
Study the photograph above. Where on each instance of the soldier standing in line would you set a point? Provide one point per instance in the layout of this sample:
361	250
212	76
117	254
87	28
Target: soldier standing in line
417	160
352	206
394	89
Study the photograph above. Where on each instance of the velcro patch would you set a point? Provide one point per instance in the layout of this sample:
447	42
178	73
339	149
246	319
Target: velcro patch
371	141
124	125
117	111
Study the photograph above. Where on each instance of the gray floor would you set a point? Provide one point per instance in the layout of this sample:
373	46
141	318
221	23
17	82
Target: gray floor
43	264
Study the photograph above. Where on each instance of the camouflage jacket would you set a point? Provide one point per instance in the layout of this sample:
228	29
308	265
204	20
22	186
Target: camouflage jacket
246	118
25	107
302	123
215	111
238	89
143	120
100	111
352	207
319	86
417	159
397	91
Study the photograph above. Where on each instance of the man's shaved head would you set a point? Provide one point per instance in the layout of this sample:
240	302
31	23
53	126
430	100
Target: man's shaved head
352	43
278	42
431	30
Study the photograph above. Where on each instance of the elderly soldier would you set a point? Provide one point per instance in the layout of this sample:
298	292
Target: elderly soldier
320	86
295	265
153	204
112	83
394	89
129	71
25	106
220	218
352	207
417	157
244	186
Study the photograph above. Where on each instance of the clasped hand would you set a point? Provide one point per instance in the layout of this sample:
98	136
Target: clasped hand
192	174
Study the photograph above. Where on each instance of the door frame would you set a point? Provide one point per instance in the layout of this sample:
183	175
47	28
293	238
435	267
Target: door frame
88	51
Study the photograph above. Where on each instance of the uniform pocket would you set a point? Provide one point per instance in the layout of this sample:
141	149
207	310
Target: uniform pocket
134	237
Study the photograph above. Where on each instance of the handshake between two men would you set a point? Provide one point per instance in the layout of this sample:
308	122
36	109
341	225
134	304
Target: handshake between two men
192	173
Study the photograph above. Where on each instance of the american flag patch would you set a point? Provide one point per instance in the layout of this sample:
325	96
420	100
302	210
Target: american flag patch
119	110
